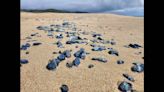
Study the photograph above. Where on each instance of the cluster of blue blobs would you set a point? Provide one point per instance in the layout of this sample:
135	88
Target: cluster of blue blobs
59	44
130	78
81	54
138	67
64	88
60	36
98	48
55	62
24	61
125	87
135	46
25	46
76	62
113	52
120	62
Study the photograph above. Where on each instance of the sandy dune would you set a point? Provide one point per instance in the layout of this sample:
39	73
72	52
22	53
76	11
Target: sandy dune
103	77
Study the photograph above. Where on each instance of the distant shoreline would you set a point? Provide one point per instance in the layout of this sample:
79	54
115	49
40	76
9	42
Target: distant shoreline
63	11
49	10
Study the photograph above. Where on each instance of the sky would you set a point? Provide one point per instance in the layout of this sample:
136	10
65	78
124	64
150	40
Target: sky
103	6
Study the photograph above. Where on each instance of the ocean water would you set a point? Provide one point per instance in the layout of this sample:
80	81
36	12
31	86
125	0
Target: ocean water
123	7
138	12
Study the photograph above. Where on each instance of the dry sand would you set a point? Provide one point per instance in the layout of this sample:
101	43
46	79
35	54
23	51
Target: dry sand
103	77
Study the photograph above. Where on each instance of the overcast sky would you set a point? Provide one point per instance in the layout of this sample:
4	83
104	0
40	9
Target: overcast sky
81	5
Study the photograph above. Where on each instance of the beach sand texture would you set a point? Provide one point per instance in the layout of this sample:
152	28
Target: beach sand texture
103	77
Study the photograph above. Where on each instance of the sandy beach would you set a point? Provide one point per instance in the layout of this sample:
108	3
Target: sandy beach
103	77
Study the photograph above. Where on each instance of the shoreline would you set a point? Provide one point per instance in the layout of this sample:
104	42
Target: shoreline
112	14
